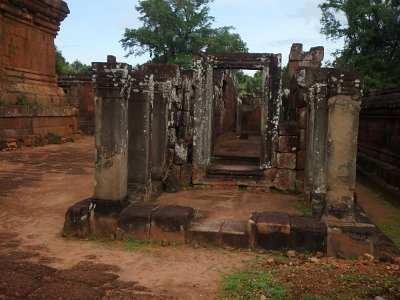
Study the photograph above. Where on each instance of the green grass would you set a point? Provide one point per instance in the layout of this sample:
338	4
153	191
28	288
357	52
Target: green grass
303	208
251	285
390	225
135	244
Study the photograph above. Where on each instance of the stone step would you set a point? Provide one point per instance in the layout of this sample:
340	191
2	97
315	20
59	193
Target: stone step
234	171
267	230
235	160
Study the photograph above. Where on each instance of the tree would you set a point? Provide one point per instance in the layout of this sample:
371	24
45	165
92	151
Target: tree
249	85
174	30
64	67
370	29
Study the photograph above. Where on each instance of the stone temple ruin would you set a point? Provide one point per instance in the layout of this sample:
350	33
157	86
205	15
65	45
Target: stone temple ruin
33	108
161	128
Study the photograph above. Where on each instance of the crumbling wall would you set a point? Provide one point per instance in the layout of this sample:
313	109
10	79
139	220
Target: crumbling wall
78	89
33	109
379	139
225	101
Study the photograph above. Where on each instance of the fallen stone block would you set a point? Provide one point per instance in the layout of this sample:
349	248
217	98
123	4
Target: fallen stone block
77	219
134	222
170	223
234	234
350	240
204	232
272	230
307	234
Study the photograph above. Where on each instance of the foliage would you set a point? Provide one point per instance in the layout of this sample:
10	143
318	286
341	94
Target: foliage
174	30
76	67
253	283
370	29
249	85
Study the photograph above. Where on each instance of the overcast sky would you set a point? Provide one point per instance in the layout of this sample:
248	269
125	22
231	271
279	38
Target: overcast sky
93	28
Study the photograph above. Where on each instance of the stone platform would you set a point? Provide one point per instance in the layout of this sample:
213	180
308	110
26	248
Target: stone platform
204	224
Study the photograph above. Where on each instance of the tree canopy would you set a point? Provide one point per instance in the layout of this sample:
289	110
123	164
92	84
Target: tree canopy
174	30
64	67
371	33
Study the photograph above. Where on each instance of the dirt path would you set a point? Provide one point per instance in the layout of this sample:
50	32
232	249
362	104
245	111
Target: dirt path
37	185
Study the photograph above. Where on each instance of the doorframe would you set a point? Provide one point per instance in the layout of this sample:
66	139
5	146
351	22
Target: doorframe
205	64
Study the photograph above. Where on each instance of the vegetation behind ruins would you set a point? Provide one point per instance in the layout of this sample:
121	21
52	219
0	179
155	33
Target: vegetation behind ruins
371	34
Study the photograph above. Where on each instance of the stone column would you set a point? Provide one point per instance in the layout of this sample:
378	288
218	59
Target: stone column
344	101
111	82
203	114
140	114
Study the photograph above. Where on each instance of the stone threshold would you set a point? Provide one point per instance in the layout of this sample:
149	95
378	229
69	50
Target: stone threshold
180	224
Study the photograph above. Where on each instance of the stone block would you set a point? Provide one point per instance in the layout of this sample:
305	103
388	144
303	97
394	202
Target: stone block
186	175
204	232
302	117
350	240
272	230
181	154
77	219
234	234
170	223
286	161
171	183
307	234
289	129
288	144
301	160
156	190
285	179
104	226
302	139
135	220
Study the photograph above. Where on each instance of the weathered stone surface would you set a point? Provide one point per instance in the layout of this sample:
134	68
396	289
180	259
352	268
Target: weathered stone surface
134	221
27	66
302	115
186	175
301	160
286	161
170	223
79	92
111	138
285	179
288	129
204	232
302	139
307	234
140	100
77	219
171	183
234	234
272	230
288	144
350	240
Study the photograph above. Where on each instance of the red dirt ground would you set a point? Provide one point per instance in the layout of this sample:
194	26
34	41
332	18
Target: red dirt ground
37	185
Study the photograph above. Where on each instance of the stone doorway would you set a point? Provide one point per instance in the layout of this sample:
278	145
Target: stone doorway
220	138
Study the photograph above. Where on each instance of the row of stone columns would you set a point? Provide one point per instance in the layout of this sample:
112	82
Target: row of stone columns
333	98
